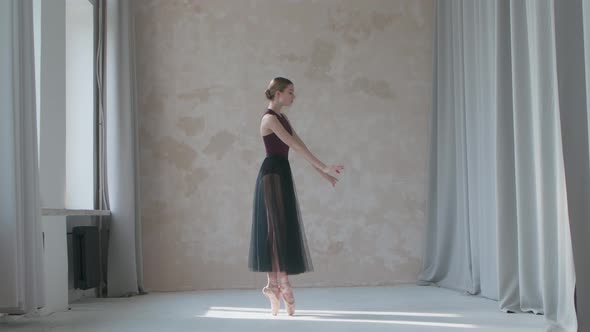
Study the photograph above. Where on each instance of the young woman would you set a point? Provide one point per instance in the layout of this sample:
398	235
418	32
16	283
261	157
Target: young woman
278	245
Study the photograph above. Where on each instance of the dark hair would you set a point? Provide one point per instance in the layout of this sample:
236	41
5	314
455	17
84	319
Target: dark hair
277	84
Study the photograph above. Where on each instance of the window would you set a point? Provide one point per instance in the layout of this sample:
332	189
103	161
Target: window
80	104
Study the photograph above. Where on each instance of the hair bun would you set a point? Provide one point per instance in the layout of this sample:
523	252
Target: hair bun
277	84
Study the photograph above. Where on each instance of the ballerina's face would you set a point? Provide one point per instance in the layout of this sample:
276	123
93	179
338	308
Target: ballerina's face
287	96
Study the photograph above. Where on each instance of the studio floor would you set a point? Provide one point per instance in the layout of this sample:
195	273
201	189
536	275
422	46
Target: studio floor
402	308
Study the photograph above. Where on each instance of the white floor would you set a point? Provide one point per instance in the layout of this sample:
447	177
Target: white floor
403	308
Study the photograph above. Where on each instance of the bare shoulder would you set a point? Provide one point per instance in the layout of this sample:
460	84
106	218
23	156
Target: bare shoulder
265	124
267	117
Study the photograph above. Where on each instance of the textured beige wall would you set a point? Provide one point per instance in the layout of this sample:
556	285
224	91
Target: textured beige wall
362	72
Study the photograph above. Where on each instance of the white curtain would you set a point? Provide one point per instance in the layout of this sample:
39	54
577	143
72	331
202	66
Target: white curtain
500	195
21	242
572	19
125	275
462	198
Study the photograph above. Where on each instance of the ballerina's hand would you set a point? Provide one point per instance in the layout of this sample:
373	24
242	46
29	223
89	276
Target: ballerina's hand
335	169
331	179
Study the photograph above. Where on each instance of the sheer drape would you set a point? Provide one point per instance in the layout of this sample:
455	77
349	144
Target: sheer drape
21	242
509	115
125	274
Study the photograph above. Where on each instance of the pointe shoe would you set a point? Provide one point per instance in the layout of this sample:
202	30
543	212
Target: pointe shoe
272	294
287	294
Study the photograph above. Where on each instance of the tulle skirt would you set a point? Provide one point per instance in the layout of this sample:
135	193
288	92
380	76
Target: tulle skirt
278	239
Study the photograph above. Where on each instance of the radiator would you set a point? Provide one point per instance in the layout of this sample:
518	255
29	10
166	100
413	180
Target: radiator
85	256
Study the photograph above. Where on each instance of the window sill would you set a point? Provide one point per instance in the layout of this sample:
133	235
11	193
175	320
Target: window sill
73	212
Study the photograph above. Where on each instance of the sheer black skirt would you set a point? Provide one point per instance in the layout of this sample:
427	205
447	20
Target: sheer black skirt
278	239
